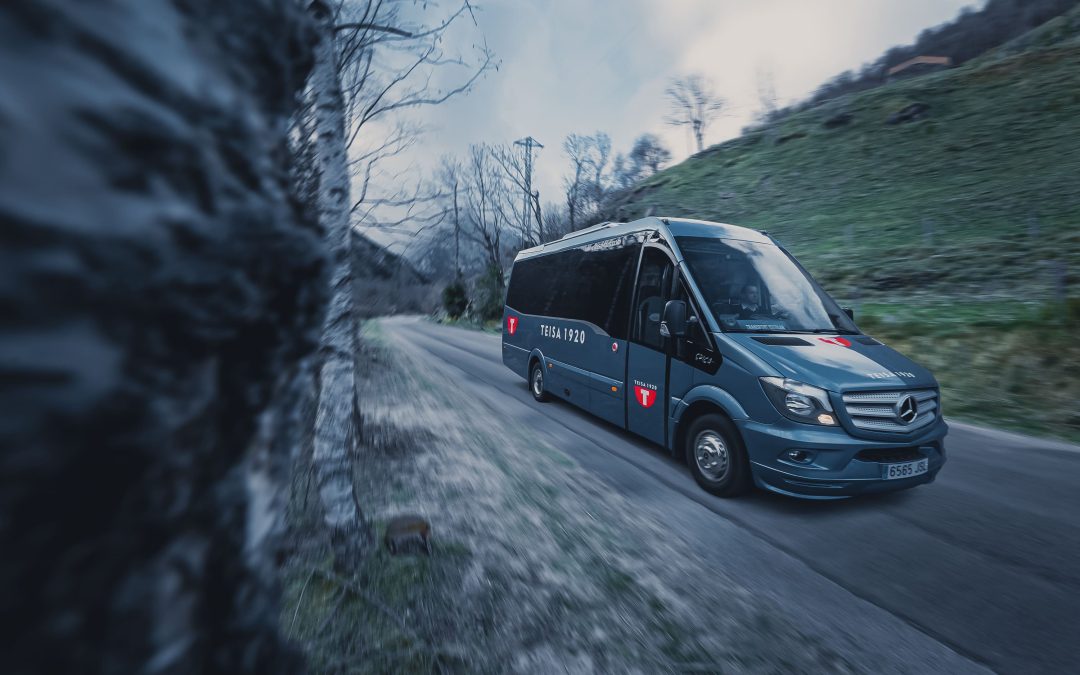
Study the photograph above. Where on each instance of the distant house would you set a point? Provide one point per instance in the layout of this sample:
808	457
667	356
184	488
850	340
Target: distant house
918	66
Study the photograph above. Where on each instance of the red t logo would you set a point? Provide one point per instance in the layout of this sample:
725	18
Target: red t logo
511	324
838	341
646	397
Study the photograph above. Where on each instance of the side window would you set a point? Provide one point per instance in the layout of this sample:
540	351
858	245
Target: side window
529	291
521	294
561	279
695	330
605	284
591	283
653	288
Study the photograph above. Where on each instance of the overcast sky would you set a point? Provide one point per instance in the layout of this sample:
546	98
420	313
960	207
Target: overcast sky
587	65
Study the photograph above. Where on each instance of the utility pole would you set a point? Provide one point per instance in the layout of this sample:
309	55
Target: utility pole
528	143
457	231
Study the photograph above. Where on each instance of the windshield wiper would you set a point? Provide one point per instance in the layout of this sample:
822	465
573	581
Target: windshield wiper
838	331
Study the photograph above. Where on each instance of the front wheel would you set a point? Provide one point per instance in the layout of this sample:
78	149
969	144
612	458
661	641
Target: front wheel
536	383
716	456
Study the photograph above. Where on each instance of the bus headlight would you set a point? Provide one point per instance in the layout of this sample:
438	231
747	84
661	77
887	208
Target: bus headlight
798	401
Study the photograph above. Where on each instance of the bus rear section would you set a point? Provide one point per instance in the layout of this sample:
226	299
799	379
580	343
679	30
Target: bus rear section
567	314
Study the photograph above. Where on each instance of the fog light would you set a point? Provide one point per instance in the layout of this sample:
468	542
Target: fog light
799	456
826	418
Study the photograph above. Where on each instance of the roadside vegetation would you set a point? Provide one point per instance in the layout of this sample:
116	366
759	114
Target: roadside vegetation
535	566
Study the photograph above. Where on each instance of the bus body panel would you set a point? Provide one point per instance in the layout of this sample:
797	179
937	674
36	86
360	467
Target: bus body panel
647	410
582	364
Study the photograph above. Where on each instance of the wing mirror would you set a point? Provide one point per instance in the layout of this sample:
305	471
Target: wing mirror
674	323
850	312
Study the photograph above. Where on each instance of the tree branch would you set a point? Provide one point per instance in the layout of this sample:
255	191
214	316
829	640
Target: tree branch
371	26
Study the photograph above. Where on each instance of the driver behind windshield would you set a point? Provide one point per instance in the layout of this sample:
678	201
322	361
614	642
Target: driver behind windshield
749	300
758	287
750	306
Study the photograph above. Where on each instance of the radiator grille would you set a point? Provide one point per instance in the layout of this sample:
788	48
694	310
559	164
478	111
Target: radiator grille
877	410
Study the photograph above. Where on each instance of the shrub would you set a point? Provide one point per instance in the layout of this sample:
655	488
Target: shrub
490	294
455	299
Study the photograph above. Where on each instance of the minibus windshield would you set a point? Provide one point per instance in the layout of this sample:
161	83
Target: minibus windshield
758	288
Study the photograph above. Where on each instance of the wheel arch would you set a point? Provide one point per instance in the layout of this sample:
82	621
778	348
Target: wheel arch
535	356
703	401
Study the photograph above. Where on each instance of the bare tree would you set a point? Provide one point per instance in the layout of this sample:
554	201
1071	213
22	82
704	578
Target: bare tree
369	61
693	103
485	206
388	62
622	172
649	153
589	178
450	180
647	156
556	221
598	157
576	148
512	163
336	424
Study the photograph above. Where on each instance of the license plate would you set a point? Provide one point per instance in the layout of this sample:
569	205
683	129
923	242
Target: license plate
905	470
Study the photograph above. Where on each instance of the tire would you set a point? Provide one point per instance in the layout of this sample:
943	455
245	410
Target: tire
722	468
537	383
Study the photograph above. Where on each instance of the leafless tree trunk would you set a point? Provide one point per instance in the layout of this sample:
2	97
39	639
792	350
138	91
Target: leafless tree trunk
485	213
148	234
450	179
576	148
513	166
336	419
349	87
538	216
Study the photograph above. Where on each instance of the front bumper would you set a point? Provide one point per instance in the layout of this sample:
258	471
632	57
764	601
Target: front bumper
841	466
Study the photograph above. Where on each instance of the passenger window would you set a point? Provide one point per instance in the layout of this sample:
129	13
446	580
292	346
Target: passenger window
602	288
653	289
590	283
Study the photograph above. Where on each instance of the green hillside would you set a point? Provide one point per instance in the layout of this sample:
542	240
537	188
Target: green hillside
955	233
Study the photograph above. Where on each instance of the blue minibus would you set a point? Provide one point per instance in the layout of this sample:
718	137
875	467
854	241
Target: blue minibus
712	341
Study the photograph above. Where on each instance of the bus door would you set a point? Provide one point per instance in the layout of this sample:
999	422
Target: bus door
647	358
693	357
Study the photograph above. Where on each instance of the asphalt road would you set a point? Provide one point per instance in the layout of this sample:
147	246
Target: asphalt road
979	570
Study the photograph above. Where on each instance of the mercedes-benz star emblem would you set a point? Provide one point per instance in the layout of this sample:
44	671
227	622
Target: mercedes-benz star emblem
907	409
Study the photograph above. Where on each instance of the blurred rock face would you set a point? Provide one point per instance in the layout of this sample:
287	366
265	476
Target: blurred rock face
157	294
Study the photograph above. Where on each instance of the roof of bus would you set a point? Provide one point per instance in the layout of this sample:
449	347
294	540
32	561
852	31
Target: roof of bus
677	227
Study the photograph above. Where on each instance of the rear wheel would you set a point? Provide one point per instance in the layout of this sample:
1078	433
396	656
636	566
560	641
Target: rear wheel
536	383
716	456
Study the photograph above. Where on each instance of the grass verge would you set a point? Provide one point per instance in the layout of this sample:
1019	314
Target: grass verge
536	567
